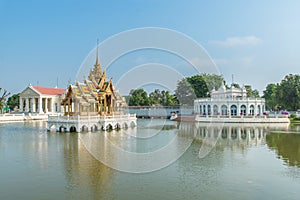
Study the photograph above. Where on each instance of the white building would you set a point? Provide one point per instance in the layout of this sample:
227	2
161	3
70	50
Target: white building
229	102
41	100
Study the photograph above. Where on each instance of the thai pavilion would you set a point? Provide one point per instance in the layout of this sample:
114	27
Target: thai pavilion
91	105
96	95
229	102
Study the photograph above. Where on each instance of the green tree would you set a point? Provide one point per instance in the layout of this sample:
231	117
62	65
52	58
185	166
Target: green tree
155	97
213	81
185	92
139	97
288	92
163	98
270	96
199	86
3	98
13	101
251	92
167	99
235	85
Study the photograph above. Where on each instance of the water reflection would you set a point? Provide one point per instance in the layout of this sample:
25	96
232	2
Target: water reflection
86	177
229	135
287	147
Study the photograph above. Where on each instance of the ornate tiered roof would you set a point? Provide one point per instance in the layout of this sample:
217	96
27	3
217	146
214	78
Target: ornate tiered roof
95	91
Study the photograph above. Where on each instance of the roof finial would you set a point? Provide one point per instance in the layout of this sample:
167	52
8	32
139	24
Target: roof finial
97	61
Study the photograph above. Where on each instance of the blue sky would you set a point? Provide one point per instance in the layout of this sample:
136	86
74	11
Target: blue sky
40	41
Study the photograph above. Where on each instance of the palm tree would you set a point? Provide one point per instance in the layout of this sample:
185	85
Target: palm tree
3	98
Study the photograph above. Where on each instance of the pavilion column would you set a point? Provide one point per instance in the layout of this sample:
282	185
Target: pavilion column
65	110
33	105
52	104
104	106
27	104
40	105
21	104
46	105
69	107
260	109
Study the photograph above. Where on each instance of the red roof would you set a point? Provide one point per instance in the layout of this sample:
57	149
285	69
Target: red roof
49	91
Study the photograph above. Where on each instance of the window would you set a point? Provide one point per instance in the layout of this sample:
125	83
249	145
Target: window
233	110
224	110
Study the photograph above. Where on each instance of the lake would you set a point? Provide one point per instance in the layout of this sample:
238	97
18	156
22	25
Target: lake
159	159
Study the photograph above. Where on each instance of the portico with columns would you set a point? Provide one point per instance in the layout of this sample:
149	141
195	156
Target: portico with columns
41	100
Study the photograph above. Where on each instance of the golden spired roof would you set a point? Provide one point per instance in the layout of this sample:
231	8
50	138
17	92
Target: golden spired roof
96	73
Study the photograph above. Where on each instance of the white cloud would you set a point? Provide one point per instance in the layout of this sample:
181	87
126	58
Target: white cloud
238	41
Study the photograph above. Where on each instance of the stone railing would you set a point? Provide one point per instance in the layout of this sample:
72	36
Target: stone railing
90	118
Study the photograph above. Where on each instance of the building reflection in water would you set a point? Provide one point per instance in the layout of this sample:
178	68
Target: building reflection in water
228	135
86	177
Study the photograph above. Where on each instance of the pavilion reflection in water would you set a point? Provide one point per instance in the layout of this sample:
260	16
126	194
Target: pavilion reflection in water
229	134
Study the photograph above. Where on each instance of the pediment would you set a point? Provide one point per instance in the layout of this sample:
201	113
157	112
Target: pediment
29	92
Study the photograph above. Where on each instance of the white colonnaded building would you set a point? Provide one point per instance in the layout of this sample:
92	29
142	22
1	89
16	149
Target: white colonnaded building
229	102
42	100
233	106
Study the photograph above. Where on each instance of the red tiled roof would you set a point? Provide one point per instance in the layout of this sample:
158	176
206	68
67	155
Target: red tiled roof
49	91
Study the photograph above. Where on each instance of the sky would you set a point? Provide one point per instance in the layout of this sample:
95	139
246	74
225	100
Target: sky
45	42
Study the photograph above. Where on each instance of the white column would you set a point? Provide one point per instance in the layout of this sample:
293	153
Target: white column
40	105
20	104
33	105
52	105
238	110
46	105
27	104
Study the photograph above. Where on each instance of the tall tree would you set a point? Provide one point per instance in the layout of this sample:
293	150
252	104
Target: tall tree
167	99
155	97
288	92
163	98
270	96
199	86
3	98
185	92
251	92
213	81
139	97
13	101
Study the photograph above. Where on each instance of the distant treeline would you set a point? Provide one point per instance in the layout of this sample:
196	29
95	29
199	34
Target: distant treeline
187	90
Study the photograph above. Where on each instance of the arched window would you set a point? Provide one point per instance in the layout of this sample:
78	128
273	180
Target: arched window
224	109
251	110
200	109
233	110
208	109
243	110
204	110
215	108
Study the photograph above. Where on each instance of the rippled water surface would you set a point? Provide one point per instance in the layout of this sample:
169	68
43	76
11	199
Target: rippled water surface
221	162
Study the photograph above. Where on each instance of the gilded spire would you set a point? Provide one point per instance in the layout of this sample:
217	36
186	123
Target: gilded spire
97	61
96	73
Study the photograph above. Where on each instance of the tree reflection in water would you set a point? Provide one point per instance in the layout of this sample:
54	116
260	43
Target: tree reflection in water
287	147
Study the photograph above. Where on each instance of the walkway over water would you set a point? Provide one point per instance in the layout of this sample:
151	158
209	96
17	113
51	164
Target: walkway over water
90	123
159	111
